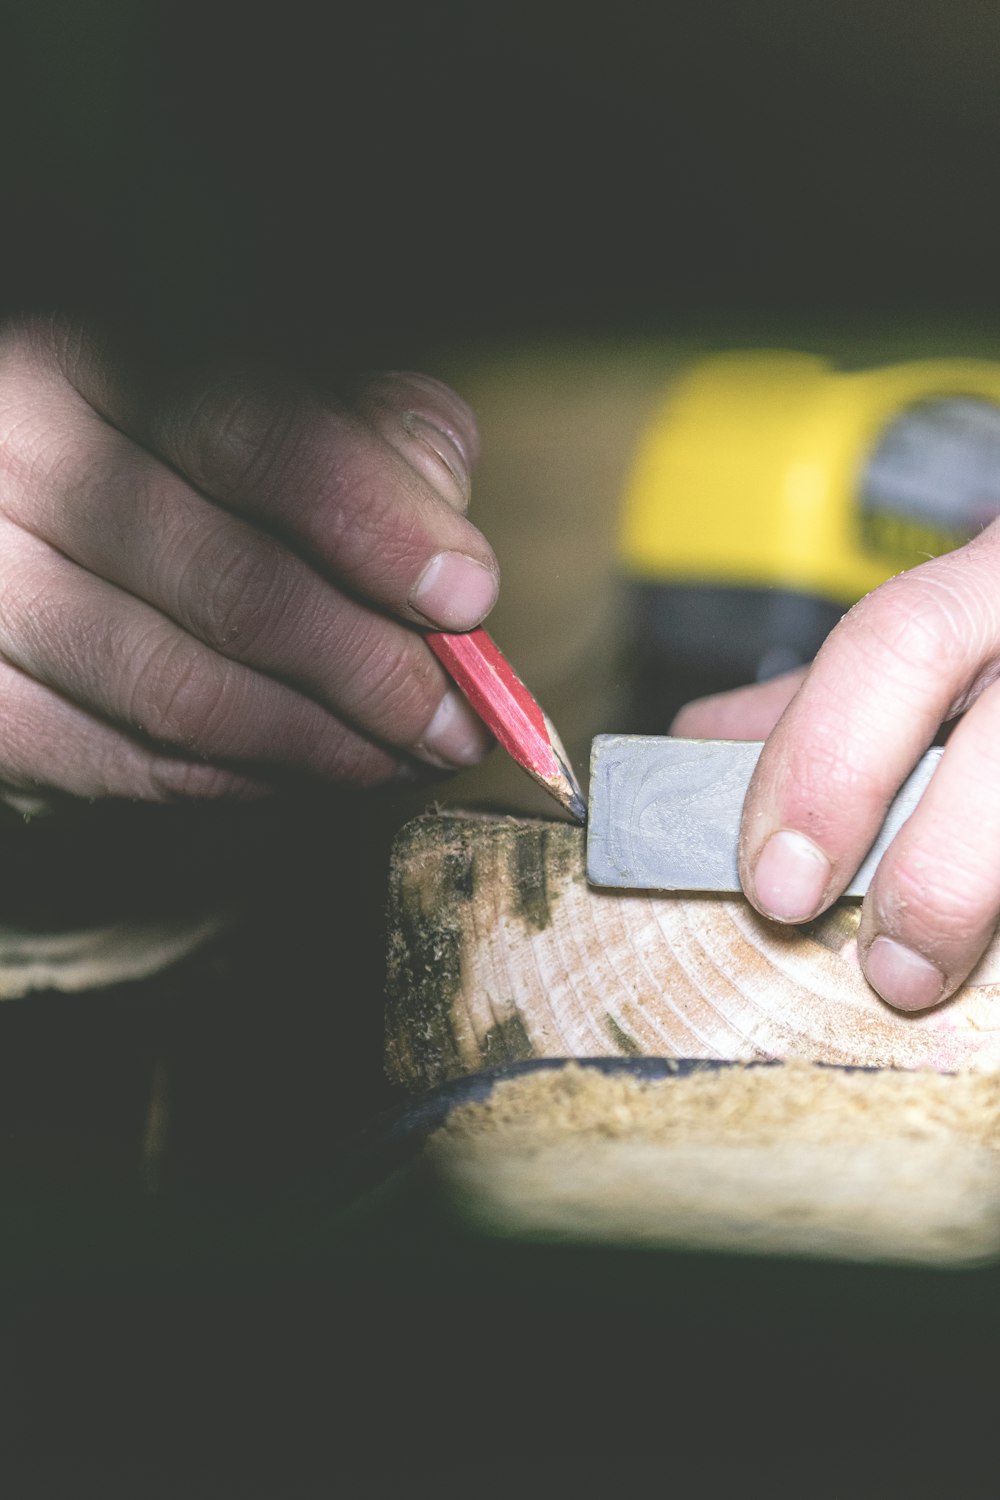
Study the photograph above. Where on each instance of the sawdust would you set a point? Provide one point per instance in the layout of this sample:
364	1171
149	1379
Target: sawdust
796	1159
741	1105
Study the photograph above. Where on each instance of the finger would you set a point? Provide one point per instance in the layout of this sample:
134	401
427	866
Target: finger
902	661
429	426
127	518
933	904
119	658
321	475
746	713
48	742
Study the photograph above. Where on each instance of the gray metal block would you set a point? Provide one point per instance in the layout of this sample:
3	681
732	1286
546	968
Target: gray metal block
665	813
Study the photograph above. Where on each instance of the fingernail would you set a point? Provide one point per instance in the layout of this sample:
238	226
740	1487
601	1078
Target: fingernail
436	455
790	877
455	736
903	978
454	592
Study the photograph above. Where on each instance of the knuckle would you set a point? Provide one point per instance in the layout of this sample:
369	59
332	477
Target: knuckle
237	592
356	501
35	614
901	627
395	686
26	462
370	522
39	452
829	784
397	540
180	697
935	618
235	439
939	899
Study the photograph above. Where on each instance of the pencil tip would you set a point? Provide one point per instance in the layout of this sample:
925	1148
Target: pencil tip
573	803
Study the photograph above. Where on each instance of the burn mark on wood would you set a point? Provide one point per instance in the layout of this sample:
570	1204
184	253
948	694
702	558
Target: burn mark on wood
627	1045
540	858
565	858
528	878
458	873
506	1042
454	879
424	958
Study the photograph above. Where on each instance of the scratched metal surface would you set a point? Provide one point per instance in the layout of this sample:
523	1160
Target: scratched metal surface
665	813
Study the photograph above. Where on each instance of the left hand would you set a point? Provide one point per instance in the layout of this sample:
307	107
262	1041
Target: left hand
842	737
211	586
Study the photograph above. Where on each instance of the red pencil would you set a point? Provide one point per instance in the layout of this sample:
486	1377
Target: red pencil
509	711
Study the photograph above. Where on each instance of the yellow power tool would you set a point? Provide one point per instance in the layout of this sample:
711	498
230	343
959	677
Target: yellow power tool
772	490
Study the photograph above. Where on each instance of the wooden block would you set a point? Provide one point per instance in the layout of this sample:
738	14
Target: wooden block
499	950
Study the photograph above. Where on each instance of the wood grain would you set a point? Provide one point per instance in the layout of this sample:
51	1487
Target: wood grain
498	950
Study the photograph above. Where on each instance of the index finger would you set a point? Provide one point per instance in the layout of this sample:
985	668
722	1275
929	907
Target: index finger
371	494
904	660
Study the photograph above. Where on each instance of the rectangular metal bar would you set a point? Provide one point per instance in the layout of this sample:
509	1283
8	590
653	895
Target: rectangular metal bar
665	813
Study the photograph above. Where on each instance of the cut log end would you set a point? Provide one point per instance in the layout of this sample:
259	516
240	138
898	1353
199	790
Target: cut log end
454	880
500	951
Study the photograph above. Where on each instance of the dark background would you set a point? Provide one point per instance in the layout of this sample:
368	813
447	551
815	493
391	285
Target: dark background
345	186
341	180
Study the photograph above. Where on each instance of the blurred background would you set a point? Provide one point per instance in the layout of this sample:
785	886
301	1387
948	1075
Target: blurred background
398	174
557	208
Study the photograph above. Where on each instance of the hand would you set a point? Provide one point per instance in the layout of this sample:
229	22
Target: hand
918	652
205	593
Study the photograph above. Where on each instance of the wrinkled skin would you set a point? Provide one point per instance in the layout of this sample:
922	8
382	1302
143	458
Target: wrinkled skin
211	588
918	652
215	588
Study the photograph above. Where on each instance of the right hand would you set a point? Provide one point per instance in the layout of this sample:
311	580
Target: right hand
203	594
920	651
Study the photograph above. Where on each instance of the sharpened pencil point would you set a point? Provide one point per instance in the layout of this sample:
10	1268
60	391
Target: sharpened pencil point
504	704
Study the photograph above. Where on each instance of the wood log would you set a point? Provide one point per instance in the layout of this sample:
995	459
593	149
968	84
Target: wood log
499	950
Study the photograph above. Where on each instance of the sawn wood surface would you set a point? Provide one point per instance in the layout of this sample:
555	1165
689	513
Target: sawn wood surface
499	950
